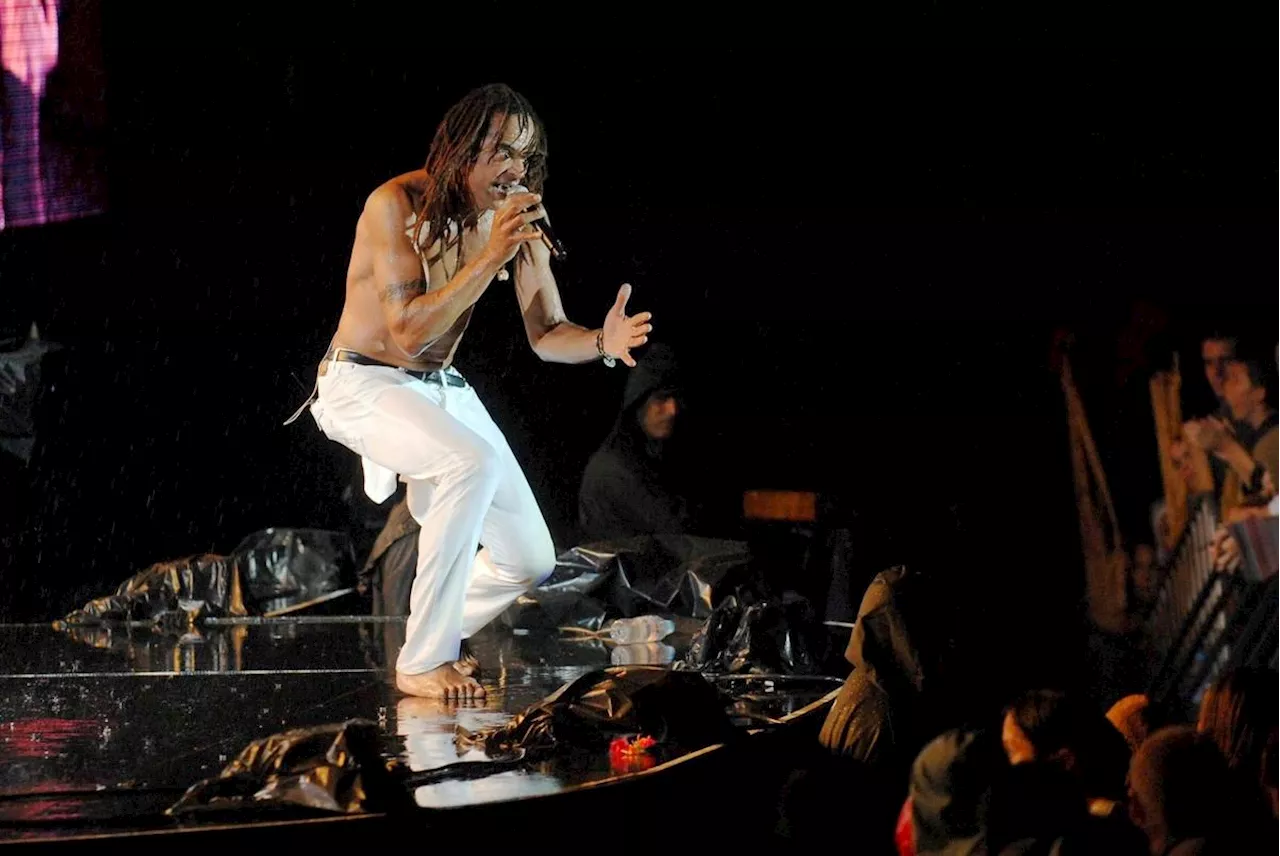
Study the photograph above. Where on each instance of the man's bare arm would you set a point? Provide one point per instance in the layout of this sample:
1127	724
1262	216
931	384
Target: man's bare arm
553	337
416	317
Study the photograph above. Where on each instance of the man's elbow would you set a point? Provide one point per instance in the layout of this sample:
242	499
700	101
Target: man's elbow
540	345
414	333
409	341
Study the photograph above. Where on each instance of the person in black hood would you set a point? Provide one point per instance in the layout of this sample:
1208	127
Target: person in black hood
630	485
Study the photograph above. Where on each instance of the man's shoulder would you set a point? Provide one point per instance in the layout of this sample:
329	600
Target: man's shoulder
395	200
393	197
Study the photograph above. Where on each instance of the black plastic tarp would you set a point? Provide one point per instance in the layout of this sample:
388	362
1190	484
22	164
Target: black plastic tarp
171	593
334	768
677	710
285	567
651	574
268	571
776	635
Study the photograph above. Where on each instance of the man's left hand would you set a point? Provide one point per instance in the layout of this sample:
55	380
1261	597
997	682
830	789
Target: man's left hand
623	332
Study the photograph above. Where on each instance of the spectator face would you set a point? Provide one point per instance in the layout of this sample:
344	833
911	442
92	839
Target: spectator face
1240	393
1016	744
1216	353
658	418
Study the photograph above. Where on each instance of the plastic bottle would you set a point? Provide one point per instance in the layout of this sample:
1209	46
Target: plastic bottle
642	654
642	628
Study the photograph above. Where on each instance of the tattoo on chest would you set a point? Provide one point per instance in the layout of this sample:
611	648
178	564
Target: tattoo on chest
403	292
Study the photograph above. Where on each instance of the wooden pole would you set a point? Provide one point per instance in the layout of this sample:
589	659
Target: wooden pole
1166	403
1104	556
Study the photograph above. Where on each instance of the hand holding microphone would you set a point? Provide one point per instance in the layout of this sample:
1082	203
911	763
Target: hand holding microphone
548	237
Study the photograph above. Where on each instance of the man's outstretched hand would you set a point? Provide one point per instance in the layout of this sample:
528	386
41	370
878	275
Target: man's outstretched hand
623	332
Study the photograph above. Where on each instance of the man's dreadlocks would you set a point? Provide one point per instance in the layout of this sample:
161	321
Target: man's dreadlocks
457	146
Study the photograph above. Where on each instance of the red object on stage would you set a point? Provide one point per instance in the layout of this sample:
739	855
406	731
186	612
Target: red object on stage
631	754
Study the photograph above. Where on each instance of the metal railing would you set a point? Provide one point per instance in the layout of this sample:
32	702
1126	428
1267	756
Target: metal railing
1203	622
1182	579
1198	651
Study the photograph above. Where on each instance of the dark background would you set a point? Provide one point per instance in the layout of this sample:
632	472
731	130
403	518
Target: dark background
860	246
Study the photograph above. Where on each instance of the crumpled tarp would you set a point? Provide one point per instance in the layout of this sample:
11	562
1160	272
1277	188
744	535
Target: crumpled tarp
268	571
334	768
550	609
284	567
172	594
676	709
649	574
744	635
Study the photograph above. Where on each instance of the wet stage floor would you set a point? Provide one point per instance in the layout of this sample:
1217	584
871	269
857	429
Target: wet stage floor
104	730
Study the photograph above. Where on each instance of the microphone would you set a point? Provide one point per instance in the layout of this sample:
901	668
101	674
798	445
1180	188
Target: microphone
548	237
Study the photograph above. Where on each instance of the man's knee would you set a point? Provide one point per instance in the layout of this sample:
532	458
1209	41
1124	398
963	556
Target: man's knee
537	559
478	464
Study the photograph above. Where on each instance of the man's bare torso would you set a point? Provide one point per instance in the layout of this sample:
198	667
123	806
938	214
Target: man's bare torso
363	325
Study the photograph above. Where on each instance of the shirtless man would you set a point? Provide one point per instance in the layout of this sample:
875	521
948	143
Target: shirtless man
387	388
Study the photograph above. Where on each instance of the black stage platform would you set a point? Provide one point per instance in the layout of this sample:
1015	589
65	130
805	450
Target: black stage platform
101	731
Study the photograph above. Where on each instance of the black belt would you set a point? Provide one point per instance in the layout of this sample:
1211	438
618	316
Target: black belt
424	375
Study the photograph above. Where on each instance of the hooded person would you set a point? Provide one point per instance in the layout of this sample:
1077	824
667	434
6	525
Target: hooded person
876	725
630	486
876	719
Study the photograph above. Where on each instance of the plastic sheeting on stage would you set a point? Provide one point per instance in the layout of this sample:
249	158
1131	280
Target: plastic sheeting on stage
676	710
269	571
746	629
779	636
669	574
334	768
615	720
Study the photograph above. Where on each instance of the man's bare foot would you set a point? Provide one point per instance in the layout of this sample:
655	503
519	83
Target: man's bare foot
443	682
433	714
467	664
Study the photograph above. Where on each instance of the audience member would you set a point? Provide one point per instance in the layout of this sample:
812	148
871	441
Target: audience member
949	793
1048	725
1181	797
880	718
1248	444
1131	716
1238	714
630	485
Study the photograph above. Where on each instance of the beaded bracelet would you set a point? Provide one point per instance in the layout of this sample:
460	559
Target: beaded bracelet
608	360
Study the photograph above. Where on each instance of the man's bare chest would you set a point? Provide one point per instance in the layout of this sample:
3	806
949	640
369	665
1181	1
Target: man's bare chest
442	261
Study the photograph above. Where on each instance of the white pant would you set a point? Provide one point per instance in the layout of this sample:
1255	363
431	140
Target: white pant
465	489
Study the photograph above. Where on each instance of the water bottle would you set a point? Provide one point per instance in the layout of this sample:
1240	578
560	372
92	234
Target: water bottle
642	628
642	654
